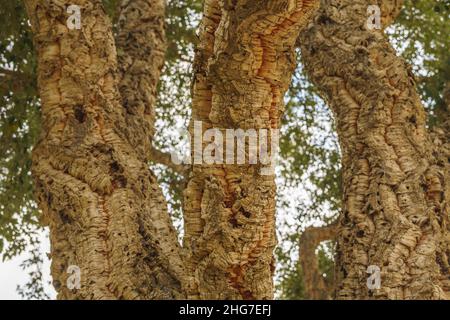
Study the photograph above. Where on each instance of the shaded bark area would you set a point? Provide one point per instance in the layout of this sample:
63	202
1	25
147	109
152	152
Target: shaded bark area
441	137
395	214
315	286
141	47
243	67
104	208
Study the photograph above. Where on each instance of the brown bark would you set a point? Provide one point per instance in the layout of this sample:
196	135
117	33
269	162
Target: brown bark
141	48
243	67
104	208
315	286
395	214
441	137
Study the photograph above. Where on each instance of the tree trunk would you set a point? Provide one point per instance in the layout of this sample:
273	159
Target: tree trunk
395	215
104	208
243	68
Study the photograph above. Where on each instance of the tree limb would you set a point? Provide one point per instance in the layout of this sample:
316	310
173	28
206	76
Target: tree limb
165	159
141	48
12	80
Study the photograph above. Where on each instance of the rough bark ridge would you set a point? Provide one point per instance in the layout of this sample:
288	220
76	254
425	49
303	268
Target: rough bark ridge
315	286
104	207
141	48
441	137
395	214
243	68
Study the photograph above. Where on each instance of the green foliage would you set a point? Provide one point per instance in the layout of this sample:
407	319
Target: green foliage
19	124
422	36
174	99
290	285
325	257
33	289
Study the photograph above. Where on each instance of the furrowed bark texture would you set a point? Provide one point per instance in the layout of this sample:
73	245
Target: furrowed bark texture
395	214
105	211
441	137
141	47
243	68
315	286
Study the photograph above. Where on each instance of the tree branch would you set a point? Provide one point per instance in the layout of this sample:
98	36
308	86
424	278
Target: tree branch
12	80
141	48
165	159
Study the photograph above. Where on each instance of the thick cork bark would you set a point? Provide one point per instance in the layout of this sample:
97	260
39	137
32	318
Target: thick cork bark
141	48
315	286
104	208
441	138
243	67
395	214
